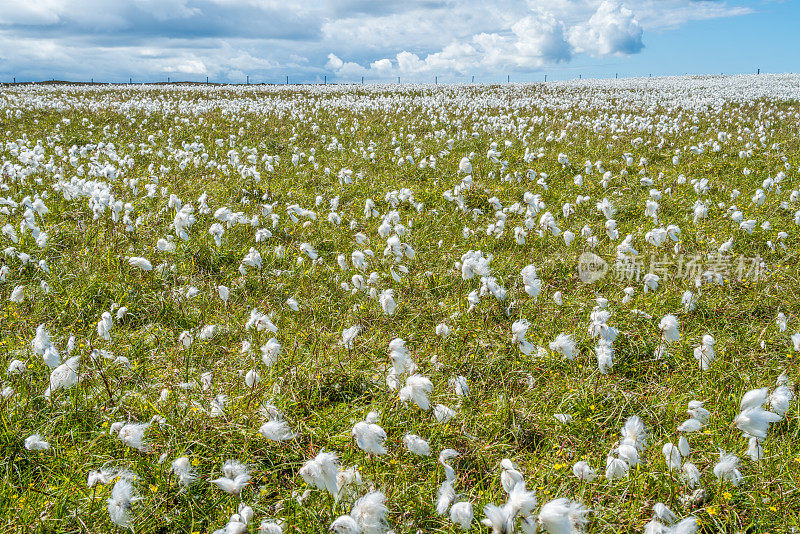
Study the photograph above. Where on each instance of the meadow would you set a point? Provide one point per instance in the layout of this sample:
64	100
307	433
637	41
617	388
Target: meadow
557	307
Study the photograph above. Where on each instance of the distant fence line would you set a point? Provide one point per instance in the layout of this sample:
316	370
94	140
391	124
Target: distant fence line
323	82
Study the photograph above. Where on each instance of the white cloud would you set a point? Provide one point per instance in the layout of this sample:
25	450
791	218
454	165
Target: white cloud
540	40
167	9
613	29
15	12
269	39
344	70
381	66
334	63
533	41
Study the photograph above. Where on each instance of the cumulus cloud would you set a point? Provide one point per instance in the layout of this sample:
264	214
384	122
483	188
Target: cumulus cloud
533	41
613	29
343	69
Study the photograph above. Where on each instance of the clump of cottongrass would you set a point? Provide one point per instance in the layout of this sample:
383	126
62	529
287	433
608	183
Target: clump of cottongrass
277	429
532	283
753	420
664	521
235	476
104	326
442	330
563	516
17	294
107	475
238	522
349	336
699	417
182	468
271	351
461	514
64	376
519	506
402	363
510	475
704	353
628	449
690	474
564	345
781	322
416	445
628	292
224	293
445	496
321	472
35	442
43	346
119	504
782	397
459	385
368	516
599	328
369	436
672	456
252	378
387	302
518	332
348	481
669	328
16	367
443	414
270	527
727	469
651	282
583	471
132	435
218	404
260	322
445	456
417	389
140	263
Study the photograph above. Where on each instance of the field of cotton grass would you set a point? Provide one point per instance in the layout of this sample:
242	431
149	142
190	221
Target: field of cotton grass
561	307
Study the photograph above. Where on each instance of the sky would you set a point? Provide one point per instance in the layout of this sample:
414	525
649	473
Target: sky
342	41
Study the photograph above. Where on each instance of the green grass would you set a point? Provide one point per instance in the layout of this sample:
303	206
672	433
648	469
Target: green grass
323	388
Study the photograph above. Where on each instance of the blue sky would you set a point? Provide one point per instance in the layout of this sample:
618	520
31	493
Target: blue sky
343	40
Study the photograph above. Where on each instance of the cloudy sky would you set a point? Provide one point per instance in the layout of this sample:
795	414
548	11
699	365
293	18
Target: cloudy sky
226	40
